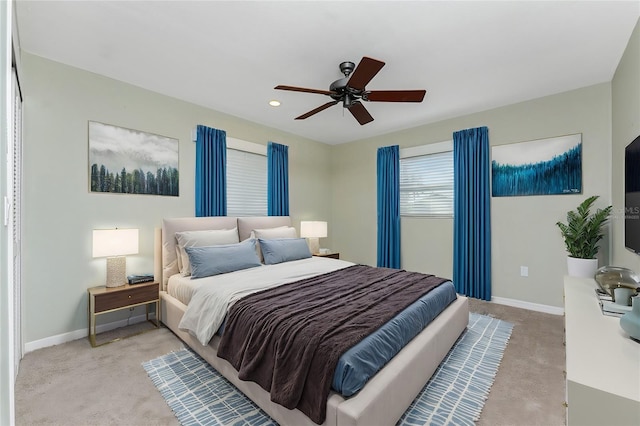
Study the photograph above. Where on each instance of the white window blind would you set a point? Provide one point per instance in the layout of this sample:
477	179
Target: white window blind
246	183
426	185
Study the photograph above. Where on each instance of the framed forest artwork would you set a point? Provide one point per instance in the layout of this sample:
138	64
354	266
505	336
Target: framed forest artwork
127	161
540	167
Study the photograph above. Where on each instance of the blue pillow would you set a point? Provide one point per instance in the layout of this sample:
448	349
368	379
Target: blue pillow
280	250
214	260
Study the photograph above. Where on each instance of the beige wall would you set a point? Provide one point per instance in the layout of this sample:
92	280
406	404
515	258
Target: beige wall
59	211
523	228
326	183
625	112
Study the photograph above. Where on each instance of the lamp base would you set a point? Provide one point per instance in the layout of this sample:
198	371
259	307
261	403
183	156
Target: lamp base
314	245
116	271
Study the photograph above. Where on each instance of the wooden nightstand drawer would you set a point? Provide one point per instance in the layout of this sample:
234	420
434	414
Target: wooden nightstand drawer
103	300
118	297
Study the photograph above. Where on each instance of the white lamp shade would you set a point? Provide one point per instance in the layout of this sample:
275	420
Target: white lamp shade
114	242
313	229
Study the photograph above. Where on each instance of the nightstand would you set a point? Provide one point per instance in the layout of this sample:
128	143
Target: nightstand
330	255
110	299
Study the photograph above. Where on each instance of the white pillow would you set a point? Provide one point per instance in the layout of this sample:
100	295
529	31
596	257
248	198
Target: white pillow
280	232
271	233
179	258
212	237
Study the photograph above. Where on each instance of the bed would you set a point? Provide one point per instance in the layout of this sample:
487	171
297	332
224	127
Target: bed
384	397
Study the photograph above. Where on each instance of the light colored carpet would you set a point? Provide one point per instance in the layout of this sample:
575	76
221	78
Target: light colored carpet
456	393
74	384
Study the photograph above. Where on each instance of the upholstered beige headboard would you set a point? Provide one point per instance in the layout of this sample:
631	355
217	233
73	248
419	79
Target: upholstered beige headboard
166	263
171	226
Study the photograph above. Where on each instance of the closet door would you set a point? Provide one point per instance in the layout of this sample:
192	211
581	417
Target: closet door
14	181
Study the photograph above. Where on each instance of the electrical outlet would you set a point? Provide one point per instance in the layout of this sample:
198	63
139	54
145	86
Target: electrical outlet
524	271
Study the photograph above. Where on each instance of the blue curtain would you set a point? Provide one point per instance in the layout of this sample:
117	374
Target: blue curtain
472	213
211	172
277	179
389	206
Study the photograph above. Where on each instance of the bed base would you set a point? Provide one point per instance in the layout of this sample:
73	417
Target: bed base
383	399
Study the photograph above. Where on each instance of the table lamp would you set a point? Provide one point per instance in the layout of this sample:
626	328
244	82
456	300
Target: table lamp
313	230
114	244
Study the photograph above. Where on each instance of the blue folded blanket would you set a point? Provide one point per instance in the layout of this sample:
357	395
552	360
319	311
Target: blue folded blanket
364	360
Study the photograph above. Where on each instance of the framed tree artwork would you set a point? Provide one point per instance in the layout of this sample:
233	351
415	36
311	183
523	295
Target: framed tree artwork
540	167
127	161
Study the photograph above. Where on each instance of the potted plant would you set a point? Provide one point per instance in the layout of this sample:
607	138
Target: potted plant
582	233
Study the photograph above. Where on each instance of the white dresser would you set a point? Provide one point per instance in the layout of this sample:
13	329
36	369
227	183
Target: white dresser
603	364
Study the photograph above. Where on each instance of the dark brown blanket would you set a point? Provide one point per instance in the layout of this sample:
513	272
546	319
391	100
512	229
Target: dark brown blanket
288	339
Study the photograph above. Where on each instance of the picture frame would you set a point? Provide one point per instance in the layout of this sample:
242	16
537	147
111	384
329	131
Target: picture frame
548	166
127	161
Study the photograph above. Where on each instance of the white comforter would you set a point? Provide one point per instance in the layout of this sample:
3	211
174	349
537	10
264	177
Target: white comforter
215	295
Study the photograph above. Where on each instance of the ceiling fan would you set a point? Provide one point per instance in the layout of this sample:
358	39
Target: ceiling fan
351	90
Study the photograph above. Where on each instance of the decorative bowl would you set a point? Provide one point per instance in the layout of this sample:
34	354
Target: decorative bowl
611	277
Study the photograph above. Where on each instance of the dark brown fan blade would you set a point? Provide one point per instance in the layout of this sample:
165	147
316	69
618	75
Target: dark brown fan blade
317	110
395	95
360	113
304	89
364	72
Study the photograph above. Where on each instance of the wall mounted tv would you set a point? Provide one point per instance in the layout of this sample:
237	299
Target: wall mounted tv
632	196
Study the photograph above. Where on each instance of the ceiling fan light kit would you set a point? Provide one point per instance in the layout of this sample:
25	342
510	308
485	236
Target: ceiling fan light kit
351	90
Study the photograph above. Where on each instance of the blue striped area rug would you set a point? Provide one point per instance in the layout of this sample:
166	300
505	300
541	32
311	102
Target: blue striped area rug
455	395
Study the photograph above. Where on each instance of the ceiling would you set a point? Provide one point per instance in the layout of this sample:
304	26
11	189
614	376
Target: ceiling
229	55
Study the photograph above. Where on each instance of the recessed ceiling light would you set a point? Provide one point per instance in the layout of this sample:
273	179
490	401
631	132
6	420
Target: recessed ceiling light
274	103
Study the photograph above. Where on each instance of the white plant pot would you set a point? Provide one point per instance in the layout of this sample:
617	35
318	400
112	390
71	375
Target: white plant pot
585	268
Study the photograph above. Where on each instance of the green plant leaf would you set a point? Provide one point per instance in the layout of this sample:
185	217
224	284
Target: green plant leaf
583	230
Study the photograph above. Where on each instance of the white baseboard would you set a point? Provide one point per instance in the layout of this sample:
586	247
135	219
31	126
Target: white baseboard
84	332
555	310
78	334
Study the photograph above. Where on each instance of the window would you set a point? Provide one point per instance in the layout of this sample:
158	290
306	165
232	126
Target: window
426	180
246	178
